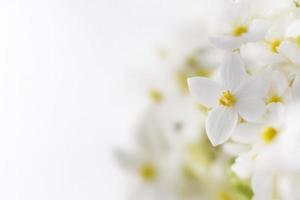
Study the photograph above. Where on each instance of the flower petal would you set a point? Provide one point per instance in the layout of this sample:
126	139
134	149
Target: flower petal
279	83
296	89
246	133
262	184
127	160
275	114
220	124
226	42
257	30
294	29
243	165
250	108
291	51
205	90
256	86
233	70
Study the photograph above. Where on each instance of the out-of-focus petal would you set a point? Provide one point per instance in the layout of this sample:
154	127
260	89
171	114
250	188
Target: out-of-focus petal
257	30
291	51
279	83
246	133
250	108
226	42
262	184
296	89
275	114
243	165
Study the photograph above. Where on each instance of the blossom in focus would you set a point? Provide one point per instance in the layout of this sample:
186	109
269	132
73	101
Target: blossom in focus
237	94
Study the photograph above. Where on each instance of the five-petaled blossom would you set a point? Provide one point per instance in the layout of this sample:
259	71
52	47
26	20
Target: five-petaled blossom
238	94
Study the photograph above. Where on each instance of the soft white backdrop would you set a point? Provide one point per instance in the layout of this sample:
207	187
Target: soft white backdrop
64	98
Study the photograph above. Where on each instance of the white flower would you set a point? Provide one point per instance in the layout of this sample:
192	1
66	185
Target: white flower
279	89
153	163
275	158
266	52
291	47
239	26
238	94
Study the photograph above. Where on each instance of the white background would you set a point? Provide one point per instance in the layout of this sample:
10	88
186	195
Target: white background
64	98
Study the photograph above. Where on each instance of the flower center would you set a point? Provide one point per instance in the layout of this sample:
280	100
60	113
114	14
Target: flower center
239	31
227	99
274	45
155	95
297	40
269	134
147	172
274	99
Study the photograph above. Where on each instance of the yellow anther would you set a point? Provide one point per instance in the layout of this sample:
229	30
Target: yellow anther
297	40
274	99
269	134
147	172
224	195
156	95
227	99
239	31
274	45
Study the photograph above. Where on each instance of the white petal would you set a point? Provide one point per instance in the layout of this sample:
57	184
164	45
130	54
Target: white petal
226	42
262	185
206	91
257	30
233	70
294	29
126	160
246	133
220	124
275	114
255	86
279	83
243	165
291	51
296	89
235	149
250	108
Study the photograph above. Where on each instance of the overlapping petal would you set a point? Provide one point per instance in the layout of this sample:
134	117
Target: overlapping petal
232	71
220	124
205	90
250	108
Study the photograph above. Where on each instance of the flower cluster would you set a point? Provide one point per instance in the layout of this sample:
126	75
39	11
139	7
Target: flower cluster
250	98
229	130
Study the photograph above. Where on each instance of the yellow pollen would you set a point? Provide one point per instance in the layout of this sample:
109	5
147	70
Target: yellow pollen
156	95
239	30
269	134
274	99
274	45
224	195
227	99
147	172
297	39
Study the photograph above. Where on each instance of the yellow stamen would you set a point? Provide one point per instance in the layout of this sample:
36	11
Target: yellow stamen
297	39
274	45
269	134
156	95
227	99
147	172
224	195
274	99
239	31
